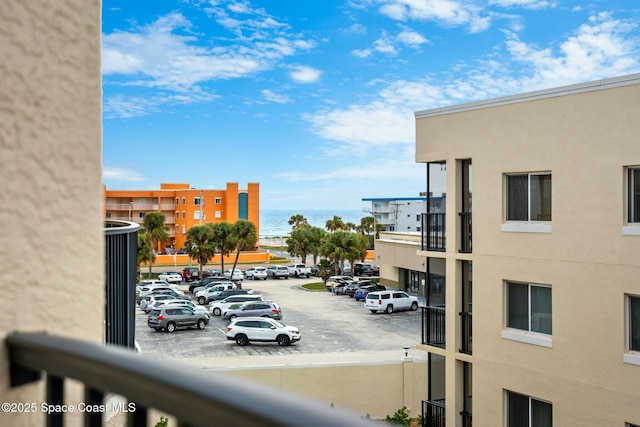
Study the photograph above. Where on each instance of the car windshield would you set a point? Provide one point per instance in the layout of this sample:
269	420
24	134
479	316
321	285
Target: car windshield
278	324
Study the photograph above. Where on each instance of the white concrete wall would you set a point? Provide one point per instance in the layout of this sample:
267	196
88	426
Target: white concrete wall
52	253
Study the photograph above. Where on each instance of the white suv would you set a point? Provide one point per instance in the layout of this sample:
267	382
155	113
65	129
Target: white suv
246	329
388	301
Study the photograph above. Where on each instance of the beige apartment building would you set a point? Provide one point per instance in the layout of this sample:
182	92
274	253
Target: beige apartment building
532	291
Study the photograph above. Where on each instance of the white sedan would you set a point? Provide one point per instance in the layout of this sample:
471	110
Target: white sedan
170	277
256	273
237	276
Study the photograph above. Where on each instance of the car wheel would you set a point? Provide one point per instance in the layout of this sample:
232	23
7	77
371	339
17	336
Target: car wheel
171	327
283	340
233	316
242	339
389	309
414	306
201	300
201	324
216	312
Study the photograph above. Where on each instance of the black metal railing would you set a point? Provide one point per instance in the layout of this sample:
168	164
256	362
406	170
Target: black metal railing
465	319
433	326
193	396
433	231
433	413
465	232
121	251
466	419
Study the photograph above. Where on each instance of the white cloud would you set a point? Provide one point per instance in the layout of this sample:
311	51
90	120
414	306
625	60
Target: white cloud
121	175
305	74
527	4
411	38
362	53
445	12
271	96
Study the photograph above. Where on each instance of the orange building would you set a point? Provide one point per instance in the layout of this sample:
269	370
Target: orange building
184	207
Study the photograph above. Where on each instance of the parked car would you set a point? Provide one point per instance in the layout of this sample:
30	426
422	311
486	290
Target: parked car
331	281
189	274
209	272
209	281
314	270
182	251
256	309
277	272
256	273
243	330
340	285
362	292
181	303
147	304
237	275
362	269
172	318
390	301
299	270
168	251
225	294
218	307
160	291
170	277
203	296
376	270
354	286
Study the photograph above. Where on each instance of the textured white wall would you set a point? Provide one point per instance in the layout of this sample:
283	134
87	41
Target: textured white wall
50	192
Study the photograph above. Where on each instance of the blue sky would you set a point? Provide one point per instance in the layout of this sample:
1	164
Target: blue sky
315	100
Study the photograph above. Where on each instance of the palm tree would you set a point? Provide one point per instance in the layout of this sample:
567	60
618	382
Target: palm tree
367	224
335	224
244	237
297	221
144	253
222	233
156	231
199	243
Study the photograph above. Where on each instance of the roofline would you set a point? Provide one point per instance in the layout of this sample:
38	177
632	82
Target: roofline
626	80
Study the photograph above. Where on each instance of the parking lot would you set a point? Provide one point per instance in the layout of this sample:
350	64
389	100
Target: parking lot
333	329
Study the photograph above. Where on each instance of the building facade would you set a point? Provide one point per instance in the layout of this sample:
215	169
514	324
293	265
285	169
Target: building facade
185	207
532	313
397	214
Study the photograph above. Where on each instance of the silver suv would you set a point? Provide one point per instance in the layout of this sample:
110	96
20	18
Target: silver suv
172	318
245	329
255	309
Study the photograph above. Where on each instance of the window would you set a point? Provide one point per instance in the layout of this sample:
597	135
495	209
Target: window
218	214
184	215
418	217
196	201
218	200
528	197
528	313
529	307
184	229
634	195
141	214
177	201
177	215
634	323
525	411
108	215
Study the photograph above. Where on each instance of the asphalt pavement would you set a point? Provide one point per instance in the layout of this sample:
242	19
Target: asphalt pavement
334	330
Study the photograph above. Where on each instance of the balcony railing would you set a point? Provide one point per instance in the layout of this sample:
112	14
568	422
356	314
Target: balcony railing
465	232
465	319
193	397
433	413
433	326
433	232
466	419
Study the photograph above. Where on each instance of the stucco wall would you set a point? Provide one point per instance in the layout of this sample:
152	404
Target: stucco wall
584	139
376	389
50	192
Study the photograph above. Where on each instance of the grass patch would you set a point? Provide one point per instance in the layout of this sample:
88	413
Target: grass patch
318	286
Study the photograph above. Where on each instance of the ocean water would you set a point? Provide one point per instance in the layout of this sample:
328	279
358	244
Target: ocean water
275	223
